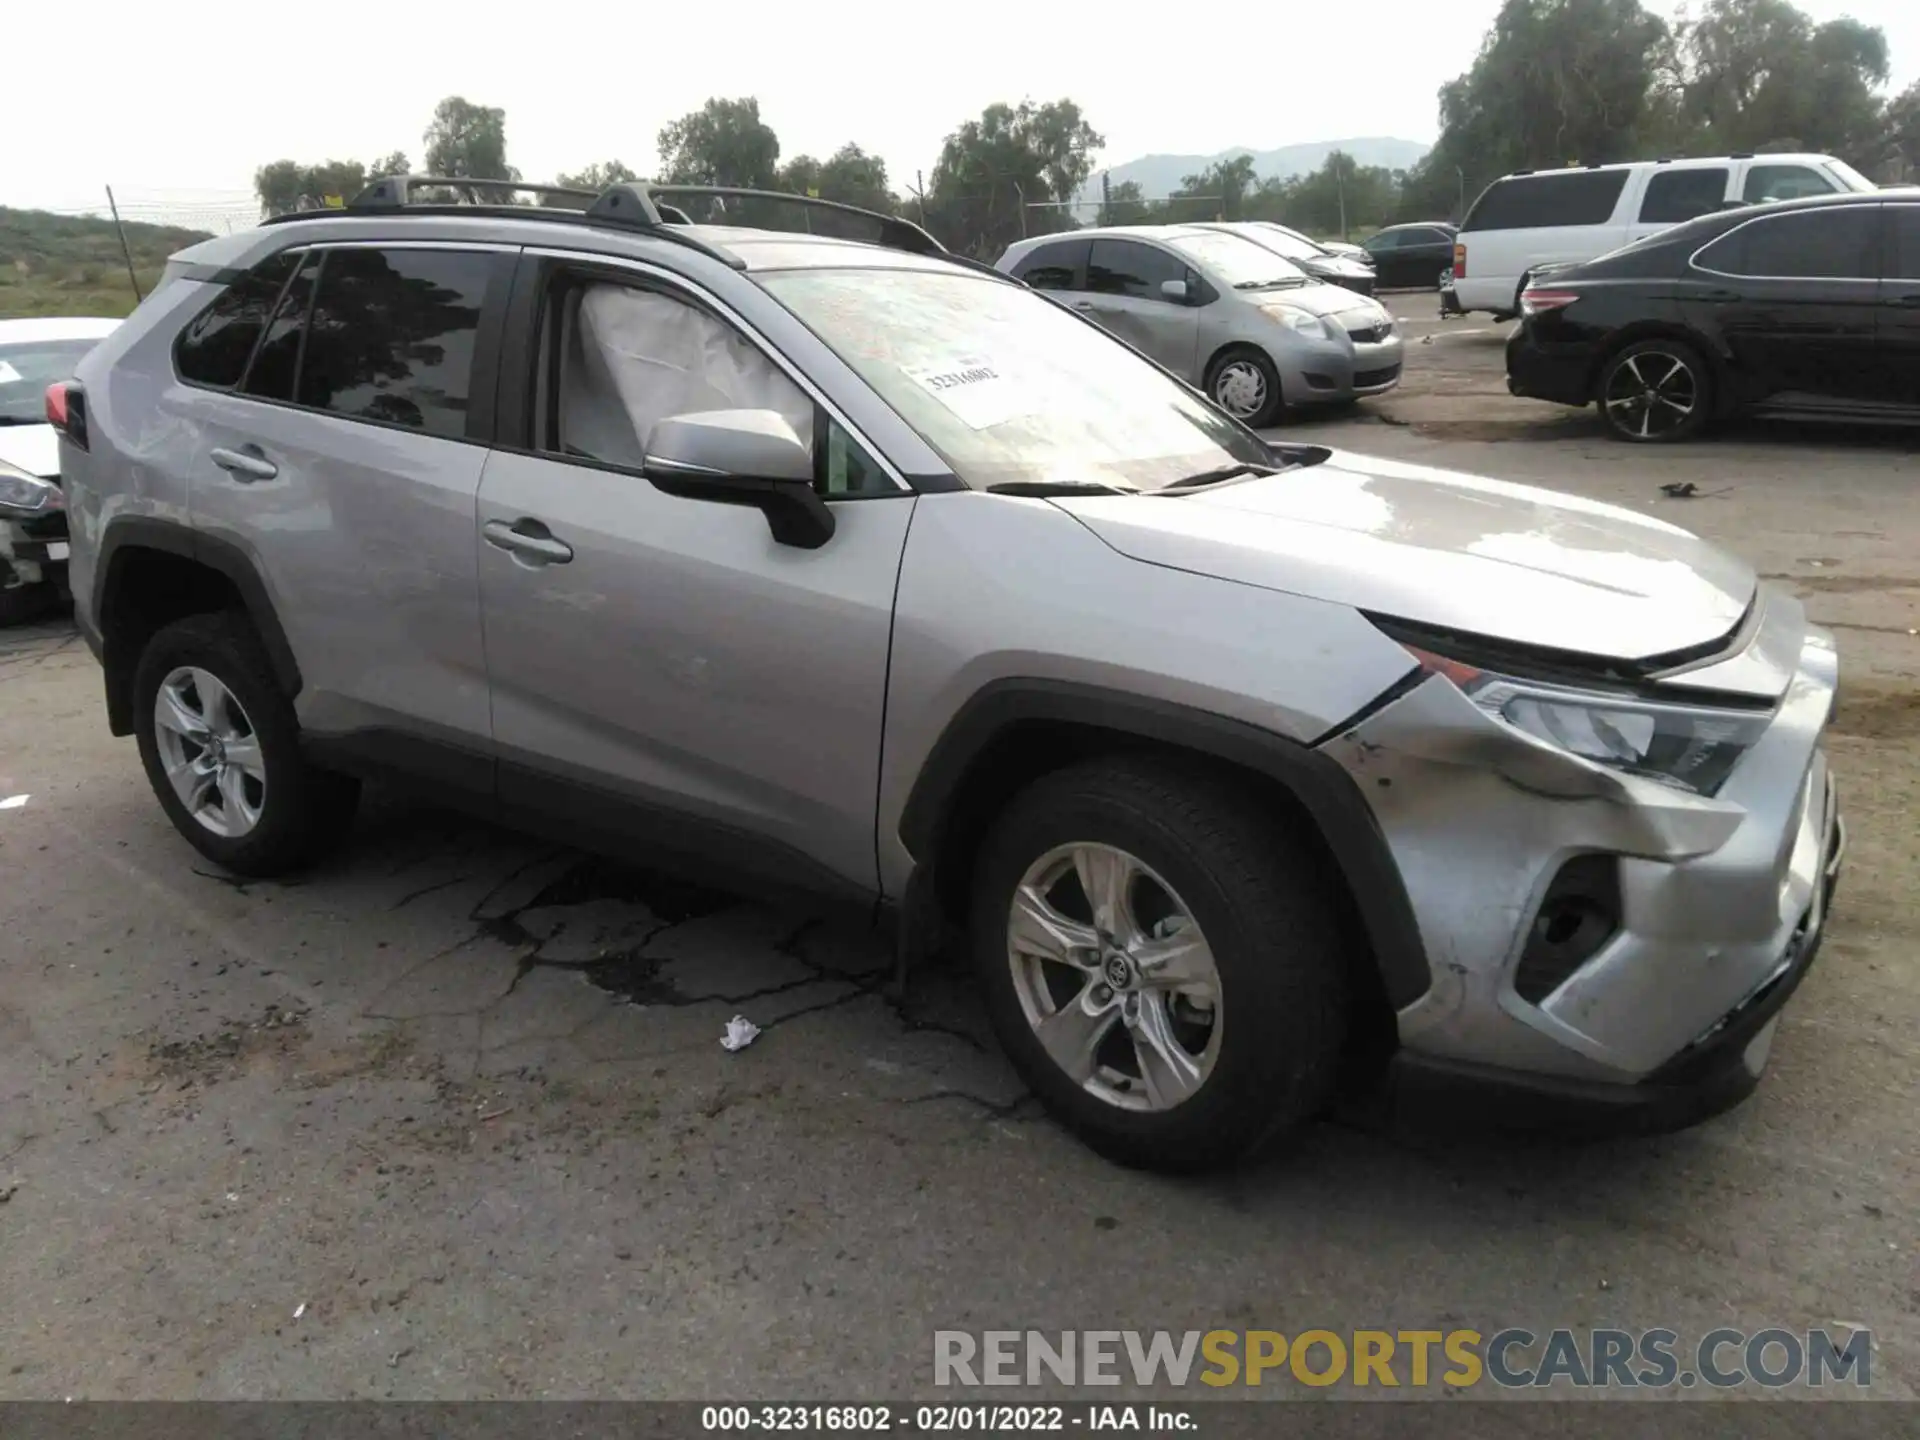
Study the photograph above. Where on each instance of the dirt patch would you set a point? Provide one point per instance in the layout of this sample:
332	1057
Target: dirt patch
1879	714
233	1049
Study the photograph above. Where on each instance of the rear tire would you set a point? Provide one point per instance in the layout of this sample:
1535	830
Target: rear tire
1243	382
231	737
1655	392
1203	870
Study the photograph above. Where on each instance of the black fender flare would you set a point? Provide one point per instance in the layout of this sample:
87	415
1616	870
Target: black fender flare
1325	792
238	565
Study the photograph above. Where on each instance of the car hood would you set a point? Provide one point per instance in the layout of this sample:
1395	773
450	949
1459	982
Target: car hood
1454	551
1319	300
34	448
1335	265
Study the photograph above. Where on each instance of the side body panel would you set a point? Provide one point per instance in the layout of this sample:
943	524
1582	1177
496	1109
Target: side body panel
997	588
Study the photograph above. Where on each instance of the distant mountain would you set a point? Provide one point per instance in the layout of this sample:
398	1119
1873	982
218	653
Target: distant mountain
1160	175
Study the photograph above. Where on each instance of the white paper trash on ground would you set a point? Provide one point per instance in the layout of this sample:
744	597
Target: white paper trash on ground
741	1032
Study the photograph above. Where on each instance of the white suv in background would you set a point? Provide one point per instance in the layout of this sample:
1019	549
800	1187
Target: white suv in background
1547	217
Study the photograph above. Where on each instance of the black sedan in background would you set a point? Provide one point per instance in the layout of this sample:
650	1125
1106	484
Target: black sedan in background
1411	256
1808	308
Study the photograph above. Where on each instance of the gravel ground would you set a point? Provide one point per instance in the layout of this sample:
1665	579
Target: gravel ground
448	1117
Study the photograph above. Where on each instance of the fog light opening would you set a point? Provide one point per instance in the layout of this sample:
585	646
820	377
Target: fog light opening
1578	915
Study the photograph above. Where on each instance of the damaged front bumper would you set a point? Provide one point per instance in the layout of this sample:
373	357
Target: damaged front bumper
33	549
1713	913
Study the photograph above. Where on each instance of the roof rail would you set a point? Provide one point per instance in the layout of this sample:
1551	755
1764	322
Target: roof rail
631	205
400	194
891	231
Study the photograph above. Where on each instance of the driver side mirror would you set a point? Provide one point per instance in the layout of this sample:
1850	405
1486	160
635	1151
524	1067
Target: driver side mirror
742	457
1174	290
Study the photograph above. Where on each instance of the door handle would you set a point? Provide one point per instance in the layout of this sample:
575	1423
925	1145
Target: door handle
246	464
527	540
1083	305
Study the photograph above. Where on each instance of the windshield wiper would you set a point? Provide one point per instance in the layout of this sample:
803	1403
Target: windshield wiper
1041	489
1214	477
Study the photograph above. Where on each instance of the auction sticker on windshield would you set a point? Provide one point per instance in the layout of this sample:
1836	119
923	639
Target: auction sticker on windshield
974	388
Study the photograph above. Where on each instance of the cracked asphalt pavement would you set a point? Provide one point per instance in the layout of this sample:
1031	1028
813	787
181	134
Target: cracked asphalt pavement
449	1117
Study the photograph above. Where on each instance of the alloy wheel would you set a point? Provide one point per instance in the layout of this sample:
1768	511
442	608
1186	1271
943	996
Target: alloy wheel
209	751
1240	388
1115	977
1651	394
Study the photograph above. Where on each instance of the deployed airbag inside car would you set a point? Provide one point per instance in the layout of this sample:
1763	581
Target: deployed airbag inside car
634	357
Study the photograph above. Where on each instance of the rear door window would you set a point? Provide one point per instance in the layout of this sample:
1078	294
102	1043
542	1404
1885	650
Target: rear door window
1061	265
1830	243
1784	182
214	348
1904	262
1125	267
1675	196
1531	202
392	334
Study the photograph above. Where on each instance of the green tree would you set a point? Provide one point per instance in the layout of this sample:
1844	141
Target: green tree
1012	172
596	177
285	186
850	175
1760	73
468	139
393	164
1555	82
1123	204
724	142
1900	144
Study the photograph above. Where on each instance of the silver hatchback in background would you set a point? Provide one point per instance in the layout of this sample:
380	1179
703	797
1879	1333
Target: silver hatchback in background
1249	327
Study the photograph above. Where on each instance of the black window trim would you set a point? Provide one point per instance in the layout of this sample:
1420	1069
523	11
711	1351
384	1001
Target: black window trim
536	271
1879	240
486	342
239	387
233	278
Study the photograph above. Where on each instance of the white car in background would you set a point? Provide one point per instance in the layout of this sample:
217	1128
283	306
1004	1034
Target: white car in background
33	512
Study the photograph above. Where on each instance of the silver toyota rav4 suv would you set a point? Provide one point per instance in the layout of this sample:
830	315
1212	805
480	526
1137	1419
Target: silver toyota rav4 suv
1255	775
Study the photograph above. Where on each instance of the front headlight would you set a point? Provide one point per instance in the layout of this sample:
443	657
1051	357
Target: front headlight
1689	747
1304	321
21	491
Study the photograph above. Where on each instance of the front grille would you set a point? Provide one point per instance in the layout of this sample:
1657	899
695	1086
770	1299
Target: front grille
1371	334
1367	379
52	525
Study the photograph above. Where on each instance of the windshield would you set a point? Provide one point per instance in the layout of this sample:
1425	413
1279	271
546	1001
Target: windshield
1850	177
1283	241
1007	386
27	368
1236	260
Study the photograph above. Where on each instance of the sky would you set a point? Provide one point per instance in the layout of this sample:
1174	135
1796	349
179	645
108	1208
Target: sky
175	108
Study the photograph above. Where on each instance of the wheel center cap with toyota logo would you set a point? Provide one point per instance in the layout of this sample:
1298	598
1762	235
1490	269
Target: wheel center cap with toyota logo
1119	970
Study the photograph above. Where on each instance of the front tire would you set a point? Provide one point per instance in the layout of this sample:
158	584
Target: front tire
1655	392
1161	962
221	747
1244	383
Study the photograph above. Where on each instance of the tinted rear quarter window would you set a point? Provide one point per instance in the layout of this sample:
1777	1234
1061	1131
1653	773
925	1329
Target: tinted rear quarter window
391	336
1530	202
1059	266
216	344
1836	243
1674	196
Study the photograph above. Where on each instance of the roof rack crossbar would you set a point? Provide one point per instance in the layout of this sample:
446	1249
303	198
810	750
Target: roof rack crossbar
392	192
